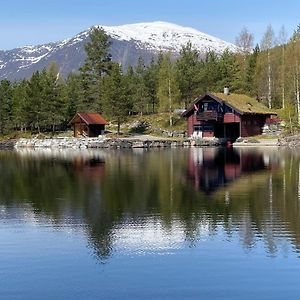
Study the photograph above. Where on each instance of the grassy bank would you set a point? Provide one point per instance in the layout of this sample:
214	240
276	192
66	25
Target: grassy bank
137	124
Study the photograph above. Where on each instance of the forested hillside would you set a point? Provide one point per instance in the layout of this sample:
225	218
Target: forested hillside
46	102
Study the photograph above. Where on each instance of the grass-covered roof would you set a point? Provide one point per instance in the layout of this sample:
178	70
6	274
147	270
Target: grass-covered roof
244	103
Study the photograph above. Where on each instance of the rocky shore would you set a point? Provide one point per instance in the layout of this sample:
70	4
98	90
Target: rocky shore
7	145
290	141
142	141
92	143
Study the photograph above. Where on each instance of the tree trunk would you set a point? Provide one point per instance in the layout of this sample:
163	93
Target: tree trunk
170	103
297	93
269	82
283	77
119	126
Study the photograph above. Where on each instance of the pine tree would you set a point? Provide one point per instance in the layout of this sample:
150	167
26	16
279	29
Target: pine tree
54	97
140	97
228	70
73	93
35	104
19	104
116	103
151	84
250	87
97	65
5	105
187	71
209	72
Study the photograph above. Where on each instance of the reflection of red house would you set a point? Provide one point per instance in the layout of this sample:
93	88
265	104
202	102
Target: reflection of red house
91	169
88	124
212	168
226	116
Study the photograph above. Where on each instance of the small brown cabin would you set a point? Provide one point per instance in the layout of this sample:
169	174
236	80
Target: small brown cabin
224	115
88	124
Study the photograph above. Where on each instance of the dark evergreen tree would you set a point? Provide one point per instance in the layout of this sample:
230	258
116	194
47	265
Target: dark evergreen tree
5	105
249	80
116	102
19	104
228	69
209	72
97	64
187	69
151	84
73	95
34	107
54	98
140	97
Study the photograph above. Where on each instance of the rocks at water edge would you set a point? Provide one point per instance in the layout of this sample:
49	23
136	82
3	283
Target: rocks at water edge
101	142
290	141
7	144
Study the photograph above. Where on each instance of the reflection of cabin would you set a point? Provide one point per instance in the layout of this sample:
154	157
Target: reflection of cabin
224	115
88	124
212	168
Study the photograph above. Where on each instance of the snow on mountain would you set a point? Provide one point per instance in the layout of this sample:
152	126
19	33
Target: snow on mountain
128	43
167	36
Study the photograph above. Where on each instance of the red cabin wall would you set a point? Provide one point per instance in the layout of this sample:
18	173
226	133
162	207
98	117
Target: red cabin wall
191	122
231	118
252	125
208	134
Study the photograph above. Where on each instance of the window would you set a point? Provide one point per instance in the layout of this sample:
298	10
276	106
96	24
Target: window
203	127
228	109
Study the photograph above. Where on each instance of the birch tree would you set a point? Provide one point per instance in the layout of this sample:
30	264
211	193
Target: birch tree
244	41
268	41
168	91
282	39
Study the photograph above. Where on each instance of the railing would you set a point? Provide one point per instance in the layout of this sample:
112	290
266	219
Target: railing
209	116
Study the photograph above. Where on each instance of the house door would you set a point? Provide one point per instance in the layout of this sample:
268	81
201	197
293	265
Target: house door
232	130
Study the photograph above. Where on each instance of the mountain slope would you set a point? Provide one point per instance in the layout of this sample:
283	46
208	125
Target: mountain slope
128	43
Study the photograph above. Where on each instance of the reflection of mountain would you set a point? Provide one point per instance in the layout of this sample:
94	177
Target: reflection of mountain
212	168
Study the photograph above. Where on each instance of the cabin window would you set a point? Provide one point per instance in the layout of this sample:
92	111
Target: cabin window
228	109
208	106
203	128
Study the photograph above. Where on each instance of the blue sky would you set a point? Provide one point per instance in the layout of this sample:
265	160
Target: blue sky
30	22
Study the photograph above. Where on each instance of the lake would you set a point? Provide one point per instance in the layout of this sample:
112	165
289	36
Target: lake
198	223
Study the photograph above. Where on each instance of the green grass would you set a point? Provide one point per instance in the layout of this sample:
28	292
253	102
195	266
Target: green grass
30	134
244	103
155	121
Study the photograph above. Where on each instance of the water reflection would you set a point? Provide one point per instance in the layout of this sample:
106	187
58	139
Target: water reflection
213	168
160	200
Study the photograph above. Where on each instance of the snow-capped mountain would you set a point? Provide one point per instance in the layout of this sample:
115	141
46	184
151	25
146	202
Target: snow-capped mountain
128	43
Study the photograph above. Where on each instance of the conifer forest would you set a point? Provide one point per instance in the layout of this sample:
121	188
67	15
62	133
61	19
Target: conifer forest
268	71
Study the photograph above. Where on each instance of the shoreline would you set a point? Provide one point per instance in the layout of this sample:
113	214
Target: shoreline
140	141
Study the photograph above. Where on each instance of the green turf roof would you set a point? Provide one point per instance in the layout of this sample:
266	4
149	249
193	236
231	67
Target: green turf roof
244	103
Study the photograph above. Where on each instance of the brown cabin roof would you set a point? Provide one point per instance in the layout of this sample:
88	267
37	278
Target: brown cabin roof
89	119
243	104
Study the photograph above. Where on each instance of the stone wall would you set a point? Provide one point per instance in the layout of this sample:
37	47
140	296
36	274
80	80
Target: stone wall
290	141
7	145
89	143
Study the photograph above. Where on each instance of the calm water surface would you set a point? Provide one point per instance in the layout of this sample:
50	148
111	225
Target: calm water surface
160	224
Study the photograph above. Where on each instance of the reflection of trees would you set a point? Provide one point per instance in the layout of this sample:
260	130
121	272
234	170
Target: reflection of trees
130	185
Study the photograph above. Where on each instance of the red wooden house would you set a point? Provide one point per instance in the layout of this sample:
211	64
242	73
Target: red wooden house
88	124
224	115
